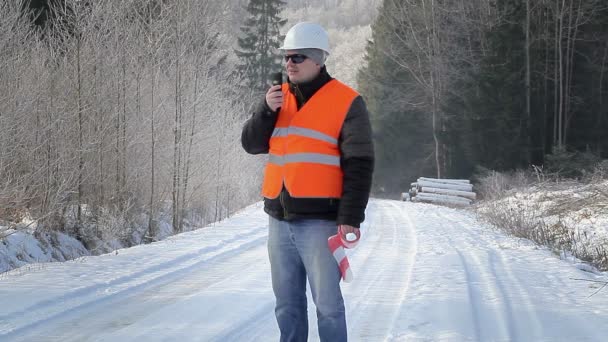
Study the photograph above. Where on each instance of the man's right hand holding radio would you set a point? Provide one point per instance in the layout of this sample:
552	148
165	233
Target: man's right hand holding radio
274	98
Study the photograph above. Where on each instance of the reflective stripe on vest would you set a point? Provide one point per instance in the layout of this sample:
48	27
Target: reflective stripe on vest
283	132
304	153
304	158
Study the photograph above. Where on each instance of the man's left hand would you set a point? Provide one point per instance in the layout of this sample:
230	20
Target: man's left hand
349	229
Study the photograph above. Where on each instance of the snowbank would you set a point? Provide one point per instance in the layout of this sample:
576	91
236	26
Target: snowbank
21	248
571	219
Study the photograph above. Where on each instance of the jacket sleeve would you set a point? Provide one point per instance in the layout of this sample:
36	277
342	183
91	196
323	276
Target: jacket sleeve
357	162
258	129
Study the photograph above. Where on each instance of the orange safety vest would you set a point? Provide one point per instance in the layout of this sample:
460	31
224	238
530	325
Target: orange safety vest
304	153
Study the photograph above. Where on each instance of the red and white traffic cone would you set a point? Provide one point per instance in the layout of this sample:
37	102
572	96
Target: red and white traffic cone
337	243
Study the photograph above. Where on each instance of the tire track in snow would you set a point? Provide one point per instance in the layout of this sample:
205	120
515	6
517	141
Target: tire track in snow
443	238
409	273
250	329
55	309
356	294
363	281
478	283
377	289
529	300
516	290
485	290
475	304
502	274
358	291
215	277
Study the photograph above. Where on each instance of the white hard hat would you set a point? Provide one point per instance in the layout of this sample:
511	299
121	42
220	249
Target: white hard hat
306	35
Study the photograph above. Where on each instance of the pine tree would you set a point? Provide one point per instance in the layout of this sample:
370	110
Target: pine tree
500	105
259	41
496	129
402	131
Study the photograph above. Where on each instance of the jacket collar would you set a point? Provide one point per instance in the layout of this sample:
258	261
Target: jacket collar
304	91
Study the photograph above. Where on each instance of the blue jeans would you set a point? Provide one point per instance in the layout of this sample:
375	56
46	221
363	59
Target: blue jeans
298	249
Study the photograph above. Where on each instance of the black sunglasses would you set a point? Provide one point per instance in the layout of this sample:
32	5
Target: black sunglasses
296	59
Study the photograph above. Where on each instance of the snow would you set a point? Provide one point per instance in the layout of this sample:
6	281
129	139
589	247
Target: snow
25	244
421	273
21	248
572	206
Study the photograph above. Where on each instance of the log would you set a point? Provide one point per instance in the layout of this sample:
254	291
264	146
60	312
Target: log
435	198
439	201
452	186
446	197
437	180
405	196
465	194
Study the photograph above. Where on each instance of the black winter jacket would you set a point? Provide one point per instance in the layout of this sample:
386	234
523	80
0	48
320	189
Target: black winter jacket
357	161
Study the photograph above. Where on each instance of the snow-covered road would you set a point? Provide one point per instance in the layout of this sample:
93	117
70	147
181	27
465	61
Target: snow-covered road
422	273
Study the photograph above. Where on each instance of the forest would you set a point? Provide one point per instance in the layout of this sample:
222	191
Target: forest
120	120
457	88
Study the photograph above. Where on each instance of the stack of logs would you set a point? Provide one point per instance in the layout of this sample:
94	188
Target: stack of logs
441	191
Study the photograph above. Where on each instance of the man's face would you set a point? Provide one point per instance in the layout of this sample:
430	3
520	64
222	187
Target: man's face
302	72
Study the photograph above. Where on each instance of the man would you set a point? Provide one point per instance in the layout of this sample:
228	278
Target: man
317	179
